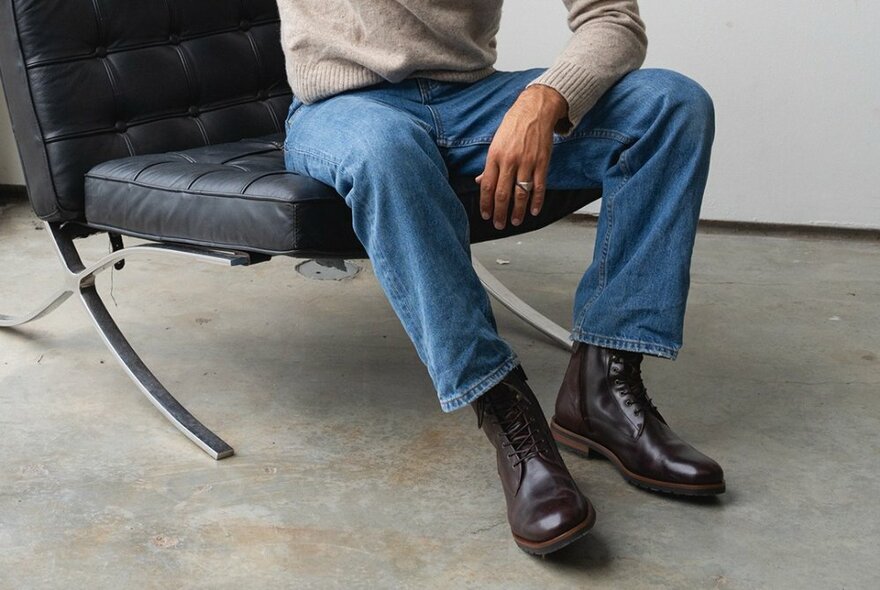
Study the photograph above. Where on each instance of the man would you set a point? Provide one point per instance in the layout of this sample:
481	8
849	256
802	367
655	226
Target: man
394	96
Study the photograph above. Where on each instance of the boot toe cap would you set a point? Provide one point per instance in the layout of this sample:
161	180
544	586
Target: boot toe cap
553	518
695	469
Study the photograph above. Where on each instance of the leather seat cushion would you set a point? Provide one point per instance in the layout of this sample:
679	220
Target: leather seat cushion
239	196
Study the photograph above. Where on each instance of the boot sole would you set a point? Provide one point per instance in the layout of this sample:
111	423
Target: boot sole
560	541
585	447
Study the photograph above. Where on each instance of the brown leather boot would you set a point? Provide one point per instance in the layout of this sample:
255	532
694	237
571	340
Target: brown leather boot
603	408
545	508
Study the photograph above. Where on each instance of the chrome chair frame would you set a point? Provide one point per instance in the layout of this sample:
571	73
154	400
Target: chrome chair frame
79	279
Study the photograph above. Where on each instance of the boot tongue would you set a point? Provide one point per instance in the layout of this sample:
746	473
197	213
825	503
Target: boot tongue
632	375
512	412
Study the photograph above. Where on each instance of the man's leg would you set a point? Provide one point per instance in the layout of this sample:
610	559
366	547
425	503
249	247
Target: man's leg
632	298
647	144
384	162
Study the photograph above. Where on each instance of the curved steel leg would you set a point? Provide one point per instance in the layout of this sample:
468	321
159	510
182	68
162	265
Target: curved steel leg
79	278
47	307
526	312
146	381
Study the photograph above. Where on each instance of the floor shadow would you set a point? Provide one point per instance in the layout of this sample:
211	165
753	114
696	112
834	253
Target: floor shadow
588	554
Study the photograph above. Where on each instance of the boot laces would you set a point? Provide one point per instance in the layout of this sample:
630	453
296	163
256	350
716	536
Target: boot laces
524	438
631	376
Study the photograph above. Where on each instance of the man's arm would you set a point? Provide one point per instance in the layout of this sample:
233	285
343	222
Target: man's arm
609	41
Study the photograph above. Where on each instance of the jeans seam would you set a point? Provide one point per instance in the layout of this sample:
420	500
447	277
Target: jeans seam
603	263
624	165
424	87
467	142
441	136
318	155
598	134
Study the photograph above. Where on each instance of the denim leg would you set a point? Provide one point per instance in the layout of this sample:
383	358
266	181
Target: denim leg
386	165
633	296
647	143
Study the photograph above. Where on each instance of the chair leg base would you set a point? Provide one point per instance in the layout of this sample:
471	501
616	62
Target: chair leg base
523	310
80	279
149	385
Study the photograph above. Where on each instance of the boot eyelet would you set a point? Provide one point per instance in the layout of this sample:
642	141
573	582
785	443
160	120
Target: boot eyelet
618	382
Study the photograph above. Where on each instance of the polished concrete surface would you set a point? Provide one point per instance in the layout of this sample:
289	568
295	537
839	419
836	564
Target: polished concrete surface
348	475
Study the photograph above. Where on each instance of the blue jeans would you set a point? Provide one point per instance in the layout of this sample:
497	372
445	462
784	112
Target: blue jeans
388	149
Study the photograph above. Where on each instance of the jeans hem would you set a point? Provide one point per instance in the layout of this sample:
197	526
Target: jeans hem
628	344
481	387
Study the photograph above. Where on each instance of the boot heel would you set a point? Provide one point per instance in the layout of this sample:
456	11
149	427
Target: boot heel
564	439
580	450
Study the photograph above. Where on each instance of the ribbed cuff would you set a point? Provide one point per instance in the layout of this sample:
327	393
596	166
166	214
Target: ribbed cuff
580	87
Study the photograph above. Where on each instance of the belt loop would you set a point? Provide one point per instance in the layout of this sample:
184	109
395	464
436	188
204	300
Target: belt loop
424	90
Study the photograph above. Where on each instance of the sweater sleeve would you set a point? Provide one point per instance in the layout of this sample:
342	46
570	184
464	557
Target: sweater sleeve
609	41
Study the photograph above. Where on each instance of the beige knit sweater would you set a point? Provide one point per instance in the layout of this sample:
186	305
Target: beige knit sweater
335	45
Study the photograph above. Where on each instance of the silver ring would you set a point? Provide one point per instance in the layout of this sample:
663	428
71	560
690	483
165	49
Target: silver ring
526	185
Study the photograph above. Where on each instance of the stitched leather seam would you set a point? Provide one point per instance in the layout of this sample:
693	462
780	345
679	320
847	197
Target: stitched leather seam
216	194
142	170
190	85
160	43
154	119
261	177
198	177
99	17
114	86
183	156
240	155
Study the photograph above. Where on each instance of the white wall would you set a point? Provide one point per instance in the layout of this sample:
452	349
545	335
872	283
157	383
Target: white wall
10	166
796	85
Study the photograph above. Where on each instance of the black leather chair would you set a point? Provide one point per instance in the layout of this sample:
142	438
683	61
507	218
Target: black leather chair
163	119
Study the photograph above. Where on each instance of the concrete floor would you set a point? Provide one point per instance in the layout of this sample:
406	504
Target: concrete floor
348	475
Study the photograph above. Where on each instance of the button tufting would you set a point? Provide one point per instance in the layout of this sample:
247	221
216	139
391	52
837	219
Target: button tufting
193	111
121	126
263	95
174	39
244	24
101	51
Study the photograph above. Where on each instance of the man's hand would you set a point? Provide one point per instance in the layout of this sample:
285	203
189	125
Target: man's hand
520	151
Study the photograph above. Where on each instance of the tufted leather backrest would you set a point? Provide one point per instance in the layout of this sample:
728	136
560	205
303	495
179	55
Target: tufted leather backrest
93	80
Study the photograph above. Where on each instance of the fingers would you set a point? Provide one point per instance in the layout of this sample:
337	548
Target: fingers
499	193
503	190
540	189
524	173
487	182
